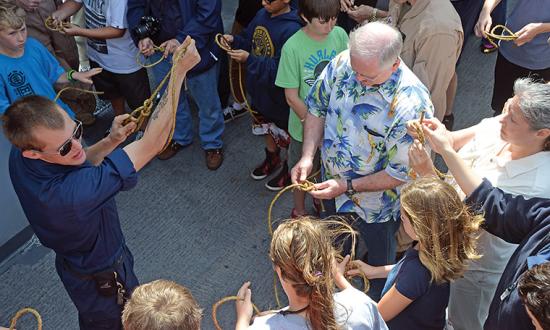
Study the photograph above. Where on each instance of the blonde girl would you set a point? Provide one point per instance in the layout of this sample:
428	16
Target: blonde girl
304	259
416	293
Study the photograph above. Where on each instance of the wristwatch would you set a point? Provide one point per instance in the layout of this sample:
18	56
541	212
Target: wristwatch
350	191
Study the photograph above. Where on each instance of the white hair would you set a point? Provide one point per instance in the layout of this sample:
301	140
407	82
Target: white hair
534	101
376	40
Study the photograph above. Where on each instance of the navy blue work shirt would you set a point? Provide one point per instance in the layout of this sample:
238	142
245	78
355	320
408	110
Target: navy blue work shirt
72	209
519	221
413	280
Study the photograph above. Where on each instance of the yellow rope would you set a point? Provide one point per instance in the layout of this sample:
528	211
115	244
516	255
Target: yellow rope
52	25
24	311
75	89
224	44
493	35
140	114
150	65
223	301
420	133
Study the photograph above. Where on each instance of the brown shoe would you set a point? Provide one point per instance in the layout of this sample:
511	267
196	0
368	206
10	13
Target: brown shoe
214	158
170	151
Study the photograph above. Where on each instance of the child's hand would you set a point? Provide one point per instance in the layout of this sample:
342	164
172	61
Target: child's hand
229	38
243	306
72	30
338	271
361	13
419	160
361	267
346	5
86	76
239	55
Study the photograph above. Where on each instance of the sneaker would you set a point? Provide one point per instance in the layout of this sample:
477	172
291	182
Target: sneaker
271	162
259	129
280	181
170	151
214	158
232	112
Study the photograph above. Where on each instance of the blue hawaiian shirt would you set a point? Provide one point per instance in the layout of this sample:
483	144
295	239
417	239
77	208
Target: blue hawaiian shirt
365	131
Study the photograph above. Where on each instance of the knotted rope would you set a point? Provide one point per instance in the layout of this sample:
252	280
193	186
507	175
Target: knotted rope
56	26
24	311
224	45
223	301
493	35
140	114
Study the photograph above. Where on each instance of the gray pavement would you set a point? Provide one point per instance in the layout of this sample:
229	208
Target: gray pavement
206	230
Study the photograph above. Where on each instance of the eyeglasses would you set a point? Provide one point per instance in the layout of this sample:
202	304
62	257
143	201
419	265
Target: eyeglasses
67	145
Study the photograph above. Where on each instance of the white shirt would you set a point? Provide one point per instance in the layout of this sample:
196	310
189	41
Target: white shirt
116	55
353	310
528	176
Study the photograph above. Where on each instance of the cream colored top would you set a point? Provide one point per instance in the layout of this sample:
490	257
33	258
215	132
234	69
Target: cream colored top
433	39
528	176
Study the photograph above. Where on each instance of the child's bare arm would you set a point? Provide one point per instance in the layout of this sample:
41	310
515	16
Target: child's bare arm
101	33
296	103
66	10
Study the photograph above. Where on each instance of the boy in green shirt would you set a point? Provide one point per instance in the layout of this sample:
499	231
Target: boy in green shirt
303	58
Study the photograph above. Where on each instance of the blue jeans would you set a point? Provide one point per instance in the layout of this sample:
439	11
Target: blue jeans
94	310
379	239
203	89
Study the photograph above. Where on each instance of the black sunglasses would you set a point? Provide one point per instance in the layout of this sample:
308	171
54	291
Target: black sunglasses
67	145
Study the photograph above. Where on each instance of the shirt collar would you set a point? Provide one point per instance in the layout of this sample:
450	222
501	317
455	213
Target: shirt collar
526	164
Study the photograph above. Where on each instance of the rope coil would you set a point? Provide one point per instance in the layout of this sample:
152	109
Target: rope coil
24	311
223	301
492	35
56	26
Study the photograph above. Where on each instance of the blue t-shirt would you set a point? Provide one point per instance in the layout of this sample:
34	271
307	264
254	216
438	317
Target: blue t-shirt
72	209
34	73
534	55
413	280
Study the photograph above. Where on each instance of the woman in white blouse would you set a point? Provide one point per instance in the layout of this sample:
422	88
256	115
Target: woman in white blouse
513	152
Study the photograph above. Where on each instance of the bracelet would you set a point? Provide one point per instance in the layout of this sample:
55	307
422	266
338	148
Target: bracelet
374	12
70	75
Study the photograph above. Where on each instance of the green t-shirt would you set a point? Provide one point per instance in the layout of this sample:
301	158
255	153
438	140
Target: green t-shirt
302	61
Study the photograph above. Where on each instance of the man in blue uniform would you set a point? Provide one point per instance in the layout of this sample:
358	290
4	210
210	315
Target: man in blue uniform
67	193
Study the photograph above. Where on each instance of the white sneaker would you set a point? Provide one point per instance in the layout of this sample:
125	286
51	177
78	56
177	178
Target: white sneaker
260	129
231	113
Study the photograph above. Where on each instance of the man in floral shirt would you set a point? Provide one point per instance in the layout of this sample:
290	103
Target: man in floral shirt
358	110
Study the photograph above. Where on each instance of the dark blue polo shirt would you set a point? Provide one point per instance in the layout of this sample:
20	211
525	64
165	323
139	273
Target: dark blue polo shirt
72	209
413	280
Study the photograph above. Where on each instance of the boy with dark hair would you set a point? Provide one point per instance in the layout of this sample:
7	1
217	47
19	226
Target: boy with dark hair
259	46
534	290
161	305
303	58
110	47
26	66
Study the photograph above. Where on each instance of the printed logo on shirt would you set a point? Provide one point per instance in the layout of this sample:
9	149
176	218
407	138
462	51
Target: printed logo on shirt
261	43
316	63
18	81
95	18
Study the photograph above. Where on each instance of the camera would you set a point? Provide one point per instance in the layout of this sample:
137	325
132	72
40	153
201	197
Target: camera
148	26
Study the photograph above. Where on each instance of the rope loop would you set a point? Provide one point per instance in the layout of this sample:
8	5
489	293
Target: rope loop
52	25
223	301
505	35
24	311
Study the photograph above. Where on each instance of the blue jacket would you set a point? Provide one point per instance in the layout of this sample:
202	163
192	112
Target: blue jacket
199	19
519	221
264	39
